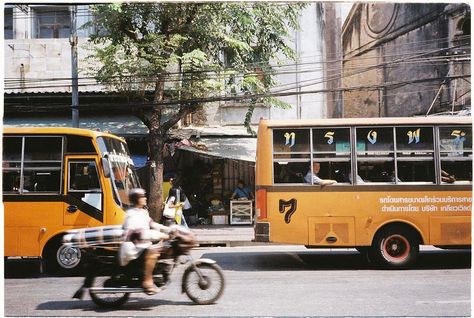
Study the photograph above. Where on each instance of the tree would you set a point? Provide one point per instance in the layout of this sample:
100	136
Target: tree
169	56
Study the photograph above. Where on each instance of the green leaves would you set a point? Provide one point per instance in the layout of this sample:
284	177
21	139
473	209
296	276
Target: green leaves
189	51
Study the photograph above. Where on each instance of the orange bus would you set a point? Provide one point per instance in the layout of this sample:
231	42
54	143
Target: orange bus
381	185
57	179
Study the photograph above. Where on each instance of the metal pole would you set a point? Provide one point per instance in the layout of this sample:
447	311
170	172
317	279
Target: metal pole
434	99
75	93
454	95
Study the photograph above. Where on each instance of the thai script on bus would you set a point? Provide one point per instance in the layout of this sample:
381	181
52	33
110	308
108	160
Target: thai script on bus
425	199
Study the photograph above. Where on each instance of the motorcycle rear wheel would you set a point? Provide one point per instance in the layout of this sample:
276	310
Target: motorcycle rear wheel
107	300
207	290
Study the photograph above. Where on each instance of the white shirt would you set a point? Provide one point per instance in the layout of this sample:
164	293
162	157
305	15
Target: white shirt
137	219
314	177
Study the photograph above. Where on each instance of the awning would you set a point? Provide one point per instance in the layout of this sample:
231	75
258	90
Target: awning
242	148
122	125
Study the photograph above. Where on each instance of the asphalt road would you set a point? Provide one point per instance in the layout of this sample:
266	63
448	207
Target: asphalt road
274	281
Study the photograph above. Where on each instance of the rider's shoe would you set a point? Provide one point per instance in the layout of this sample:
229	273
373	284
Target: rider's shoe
151	289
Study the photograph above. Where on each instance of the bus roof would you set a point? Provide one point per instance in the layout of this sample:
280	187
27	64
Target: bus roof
441	120
56	131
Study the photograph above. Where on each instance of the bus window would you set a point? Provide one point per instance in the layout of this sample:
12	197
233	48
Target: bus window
48	179
291	141
12	149
375	154
332	150
43	148
42	164
123	177
83	176
291	155
290	172
11	180
79	144
84	183
415	154
11	164
455	154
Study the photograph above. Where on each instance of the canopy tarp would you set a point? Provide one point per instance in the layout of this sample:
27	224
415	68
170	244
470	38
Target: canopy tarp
238	148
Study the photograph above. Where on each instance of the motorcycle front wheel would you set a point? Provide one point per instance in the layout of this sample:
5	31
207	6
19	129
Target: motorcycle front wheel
108	300
203	283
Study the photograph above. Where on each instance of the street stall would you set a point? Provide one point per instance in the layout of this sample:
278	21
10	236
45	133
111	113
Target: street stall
210	168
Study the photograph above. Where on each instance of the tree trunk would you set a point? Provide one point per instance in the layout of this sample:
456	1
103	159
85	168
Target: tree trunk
156	141
155	197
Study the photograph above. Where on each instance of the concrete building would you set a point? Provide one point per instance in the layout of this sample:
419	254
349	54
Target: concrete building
406	59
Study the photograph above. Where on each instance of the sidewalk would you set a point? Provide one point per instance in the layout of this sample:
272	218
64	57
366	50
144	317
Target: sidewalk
224	235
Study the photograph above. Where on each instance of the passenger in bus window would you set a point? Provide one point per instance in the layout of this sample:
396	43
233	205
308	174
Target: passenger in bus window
315	178
446	177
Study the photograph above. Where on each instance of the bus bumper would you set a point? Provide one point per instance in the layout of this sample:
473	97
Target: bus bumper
262	232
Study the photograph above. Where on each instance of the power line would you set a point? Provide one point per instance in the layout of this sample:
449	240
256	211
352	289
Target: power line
284	87
266	95
170	78
177	76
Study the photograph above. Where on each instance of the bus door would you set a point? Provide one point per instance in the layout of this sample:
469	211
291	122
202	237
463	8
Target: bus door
84	198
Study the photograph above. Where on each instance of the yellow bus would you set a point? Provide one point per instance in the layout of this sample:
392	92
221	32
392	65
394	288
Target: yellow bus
381	185
57	179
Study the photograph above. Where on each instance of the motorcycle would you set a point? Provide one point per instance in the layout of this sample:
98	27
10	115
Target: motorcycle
202	280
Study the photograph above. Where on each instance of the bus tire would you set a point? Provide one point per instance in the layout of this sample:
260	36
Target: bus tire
61	259
365	253
395	247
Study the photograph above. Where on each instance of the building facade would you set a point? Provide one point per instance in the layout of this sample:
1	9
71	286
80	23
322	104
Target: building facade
37	57
406	59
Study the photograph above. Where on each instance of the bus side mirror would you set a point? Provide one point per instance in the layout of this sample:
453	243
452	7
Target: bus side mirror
106	167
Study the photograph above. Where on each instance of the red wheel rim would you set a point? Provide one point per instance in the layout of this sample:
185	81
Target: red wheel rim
395	248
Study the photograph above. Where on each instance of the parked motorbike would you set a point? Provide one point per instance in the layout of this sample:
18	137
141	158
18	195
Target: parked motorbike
202	281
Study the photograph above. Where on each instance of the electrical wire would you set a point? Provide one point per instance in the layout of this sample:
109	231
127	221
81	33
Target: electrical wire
177	77
29	83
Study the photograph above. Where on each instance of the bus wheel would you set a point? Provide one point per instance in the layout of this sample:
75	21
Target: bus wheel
395	247
63	259
365	253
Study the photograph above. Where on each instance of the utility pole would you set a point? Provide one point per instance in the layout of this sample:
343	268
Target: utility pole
75	93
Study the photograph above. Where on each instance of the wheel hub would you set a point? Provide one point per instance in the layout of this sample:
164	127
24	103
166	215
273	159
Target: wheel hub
396	248
204	283
68	257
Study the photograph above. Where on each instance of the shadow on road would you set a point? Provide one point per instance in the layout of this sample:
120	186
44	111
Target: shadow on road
330	260
136	304
22	268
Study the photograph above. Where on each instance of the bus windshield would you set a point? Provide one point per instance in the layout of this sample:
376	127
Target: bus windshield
122	176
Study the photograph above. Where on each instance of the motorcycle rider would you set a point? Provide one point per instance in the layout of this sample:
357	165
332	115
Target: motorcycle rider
140	231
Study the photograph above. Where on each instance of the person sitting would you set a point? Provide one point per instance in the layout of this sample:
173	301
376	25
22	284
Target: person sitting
242	192
141	230
315	178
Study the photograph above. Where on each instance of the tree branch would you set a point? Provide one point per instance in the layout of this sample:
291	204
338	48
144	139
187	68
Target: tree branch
183	111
